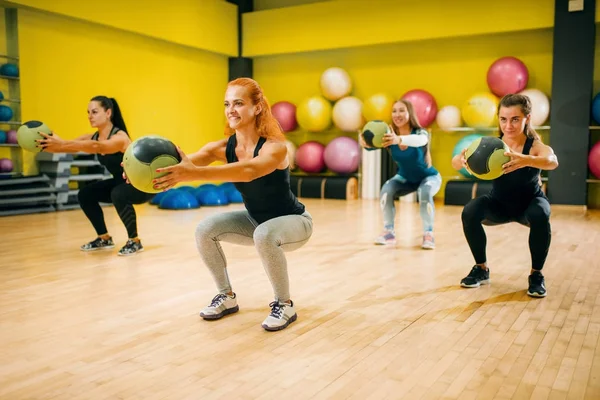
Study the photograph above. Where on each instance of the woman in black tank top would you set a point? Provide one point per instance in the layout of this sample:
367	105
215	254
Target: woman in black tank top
109	143
255	159
516	196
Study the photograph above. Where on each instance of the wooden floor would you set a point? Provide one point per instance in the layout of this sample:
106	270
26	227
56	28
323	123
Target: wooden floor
373	322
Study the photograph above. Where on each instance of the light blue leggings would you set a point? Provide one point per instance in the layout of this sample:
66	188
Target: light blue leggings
398	186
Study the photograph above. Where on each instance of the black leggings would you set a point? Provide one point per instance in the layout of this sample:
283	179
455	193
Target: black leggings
120	194
487	210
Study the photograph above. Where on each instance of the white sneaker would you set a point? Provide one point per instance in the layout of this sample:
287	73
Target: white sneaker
220	306
428	241
282	314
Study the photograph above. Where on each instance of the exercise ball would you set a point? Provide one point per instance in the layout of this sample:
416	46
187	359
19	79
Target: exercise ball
462	144
540	106
12	137
596	108
6	165
234	196
424	105
226	186
373	133
480	110
310	157
6	113
347	114
507	75
143	156
178	200
9	70
2	137
485	157
159	196
28	133
291	153
314	114
448	118
213	197
285	113
335	83
378	107
342	155
594	160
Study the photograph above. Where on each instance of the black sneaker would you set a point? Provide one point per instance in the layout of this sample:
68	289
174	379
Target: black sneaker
98	244
537	286
130	248
478	276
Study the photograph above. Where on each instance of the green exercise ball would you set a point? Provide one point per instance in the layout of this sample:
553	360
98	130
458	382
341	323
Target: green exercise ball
373	133
143	156
485	157
28	133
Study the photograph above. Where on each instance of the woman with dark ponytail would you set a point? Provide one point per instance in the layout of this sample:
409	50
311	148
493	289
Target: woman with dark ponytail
109	142
516	196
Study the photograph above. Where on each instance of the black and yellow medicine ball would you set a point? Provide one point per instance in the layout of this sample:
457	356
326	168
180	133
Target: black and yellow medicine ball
373	133
143	156
485	157
28	133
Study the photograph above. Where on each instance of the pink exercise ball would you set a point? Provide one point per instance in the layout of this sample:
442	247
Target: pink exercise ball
6	165
594	160
507	75
424	104
285	113
342	155
11	137
310	156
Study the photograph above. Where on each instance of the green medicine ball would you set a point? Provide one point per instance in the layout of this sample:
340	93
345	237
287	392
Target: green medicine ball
28	133
485	157
373	133
144	156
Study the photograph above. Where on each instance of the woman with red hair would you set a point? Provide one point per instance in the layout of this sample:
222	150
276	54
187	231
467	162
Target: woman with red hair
255	157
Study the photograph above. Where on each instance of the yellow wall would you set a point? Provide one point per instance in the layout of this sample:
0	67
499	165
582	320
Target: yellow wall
451	69
163	88
260	5
350	23
207	25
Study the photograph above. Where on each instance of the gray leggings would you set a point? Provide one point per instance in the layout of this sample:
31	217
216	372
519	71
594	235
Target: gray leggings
271	239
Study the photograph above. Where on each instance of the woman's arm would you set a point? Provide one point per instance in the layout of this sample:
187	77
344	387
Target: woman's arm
209	153
54	144
270	157
541	156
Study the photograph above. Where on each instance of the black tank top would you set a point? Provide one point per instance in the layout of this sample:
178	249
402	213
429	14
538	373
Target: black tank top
518	188
269	196
112	162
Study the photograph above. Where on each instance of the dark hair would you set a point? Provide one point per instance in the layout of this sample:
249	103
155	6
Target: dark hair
110	103
523	102
413	121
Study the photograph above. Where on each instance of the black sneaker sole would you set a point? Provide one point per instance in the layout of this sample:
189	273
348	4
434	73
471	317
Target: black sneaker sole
225	312
476	285
278	328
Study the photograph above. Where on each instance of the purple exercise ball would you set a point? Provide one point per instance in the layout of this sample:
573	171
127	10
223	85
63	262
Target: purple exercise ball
342	155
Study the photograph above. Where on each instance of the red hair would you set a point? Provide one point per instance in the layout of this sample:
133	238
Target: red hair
266	124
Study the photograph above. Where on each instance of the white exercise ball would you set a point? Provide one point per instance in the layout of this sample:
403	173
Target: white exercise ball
335	83
448	117
540	106
347	114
